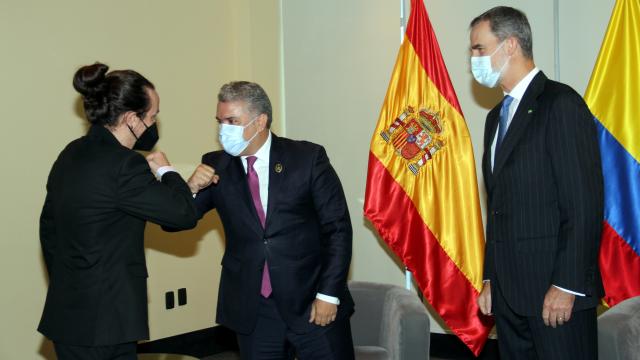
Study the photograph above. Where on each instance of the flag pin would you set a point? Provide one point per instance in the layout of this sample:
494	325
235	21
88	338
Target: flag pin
278	168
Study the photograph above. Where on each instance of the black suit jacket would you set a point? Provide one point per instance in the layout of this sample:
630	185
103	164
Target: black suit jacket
545	199
306	240
99	196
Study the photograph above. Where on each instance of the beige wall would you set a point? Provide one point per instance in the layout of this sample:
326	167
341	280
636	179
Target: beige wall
338	56
188	49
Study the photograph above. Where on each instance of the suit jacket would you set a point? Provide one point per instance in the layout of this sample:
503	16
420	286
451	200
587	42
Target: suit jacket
99	196
545	199
306	239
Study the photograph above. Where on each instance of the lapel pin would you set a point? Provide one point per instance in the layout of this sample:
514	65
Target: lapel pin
530	111
278	168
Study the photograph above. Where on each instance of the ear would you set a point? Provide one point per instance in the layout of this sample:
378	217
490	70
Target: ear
262	121
130	119
512	45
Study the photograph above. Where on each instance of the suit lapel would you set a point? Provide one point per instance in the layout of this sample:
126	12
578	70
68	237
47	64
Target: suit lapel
522	117
277	171
490	133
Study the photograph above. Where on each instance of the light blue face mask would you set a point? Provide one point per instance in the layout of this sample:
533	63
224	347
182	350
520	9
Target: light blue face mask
232	139
483	71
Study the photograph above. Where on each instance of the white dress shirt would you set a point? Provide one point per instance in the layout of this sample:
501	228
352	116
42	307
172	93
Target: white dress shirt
261	167
517	93
163	170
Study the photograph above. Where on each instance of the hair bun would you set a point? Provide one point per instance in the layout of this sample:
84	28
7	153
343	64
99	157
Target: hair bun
89	80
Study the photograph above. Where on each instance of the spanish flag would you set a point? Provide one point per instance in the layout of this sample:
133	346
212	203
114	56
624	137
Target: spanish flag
613	95
422	193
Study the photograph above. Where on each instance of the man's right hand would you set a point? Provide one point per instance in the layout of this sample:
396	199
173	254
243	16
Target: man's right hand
203	176
157	160
484	300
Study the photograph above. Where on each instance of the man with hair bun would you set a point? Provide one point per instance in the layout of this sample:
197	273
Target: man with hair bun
542	172
100	194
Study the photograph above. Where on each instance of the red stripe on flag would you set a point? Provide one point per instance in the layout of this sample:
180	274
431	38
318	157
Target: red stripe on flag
446	288
421	35
619	265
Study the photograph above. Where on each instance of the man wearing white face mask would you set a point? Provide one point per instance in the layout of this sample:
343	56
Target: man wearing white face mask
544	185
283	288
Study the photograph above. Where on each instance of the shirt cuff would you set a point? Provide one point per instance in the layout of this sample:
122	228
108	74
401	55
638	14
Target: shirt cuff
569	291
163	170
329	299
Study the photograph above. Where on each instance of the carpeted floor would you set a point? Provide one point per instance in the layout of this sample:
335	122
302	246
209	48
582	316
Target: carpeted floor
219	343
227	355
235	356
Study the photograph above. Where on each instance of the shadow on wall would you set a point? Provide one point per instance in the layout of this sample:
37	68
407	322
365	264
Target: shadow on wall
46	349
485	97
383	244
184	243
78	109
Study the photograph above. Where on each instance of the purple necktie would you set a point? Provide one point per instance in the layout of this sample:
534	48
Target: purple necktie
254	186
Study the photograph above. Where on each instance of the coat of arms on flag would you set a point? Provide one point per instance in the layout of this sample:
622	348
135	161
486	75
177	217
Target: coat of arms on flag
416	136
422	192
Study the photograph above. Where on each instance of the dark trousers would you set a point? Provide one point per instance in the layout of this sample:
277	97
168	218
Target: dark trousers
527	337
272	340
126	351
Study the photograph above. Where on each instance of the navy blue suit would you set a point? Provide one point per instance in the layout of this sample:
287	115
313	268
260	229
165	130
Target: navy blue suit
306	240
544	213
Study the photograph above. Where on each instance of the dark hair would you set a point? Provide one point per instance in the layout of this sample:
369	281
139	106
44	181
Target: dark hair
107	96
505	22
251	93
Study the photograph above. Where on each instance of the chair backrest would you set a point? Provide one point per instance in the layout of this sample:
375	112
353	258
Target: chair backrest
366	321
392	318
619	331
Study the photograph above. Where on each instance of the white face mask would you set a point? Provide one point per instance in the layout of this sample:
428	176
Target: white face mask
483	71
232	139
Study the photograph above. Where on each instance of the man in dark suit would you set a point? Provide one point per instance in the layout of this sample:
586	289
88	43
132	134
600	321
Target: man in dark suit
288	235
542	172
100	194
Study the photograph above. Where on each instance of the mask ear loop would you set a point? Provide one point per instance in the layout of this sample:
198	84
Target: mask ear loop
498	48
131	129
145	127
508	58
257	132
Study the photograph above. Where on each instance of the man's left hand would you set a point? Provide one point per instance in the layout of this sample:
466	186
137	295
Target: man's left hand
557	307
322	312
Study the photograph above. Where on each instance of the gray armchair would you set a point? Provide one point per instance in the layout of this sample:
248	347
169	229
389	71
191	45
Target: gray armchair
619	331
389	323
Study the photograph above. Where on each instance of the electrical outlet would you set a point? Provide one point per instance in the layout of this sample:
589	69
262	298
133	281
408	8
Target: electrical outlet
182	296
169	300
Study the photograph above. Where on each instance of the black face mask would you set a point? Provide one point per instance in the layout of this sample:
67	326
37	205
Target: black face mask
148	139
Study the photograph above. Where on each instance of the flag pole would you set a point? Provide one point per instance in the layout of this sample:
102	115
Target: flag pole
403	25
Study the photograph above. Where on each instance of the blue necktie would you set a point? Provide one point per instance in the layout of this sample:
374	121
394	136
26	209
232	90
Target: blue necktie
504	118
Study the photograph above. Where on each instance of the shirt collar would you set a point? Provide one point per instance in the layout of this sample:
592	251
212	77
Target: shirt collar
263	153
518	91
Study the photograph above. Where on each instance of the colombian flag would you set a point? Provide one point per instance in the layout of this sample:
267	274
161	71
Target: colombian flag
613	95
422	193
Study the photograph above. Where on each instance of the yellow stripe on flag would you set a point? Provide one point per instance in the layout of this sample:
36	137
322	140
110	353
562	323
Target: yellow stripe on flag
613	95
445	189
